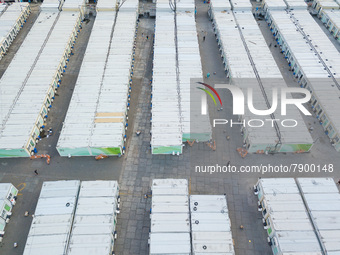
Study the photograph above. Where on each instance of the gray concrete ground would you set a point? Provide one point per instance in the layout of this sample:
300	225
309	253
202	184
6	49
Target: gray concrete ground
138	167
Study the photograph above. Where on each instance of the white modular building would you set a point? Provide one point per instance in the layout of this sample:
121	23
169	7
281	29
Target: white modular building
320	5
94	224
250	65
8	191
314	61
51	226
28	85
166	129
195	126
176	101
12	19
285	217
210	225
96	119
170	219
323	202
8	195
331	19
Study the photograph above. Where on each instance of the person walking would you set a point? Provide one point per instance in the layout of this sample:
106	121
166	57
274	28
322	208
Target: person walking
36	172
228	164
203	38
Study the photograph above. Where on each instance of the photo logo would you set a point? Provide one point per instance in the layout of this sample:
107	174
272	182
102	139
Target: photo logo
239	99
209	93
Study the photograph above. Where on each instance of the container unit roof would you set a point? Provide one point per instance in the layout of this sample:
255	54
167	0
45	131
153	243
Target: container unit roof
170	222
297	242
129	6
51	225
162	5
9	18
170	204
326	4
243	75
210	225
51	5
170	243
274	5
34	76
166	126
273	186
194	125
106	5
169	187
241	5
285	4
296	4
185	6
73	5
96	117
323	87
323	201
219	5
95	218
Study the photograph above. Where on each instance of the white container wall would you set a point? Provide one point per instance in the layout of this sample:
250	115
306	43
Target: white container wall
170	220
285	217
314	61
51	226
8	195
210	225
331	19
3	8
93	230
320	5
12	20
9	192
249	64
30	81
96	119
323	201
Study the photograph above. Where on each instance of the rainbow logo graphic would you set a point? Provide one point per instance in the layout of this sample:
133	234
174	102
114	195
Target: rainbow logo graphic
209	93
